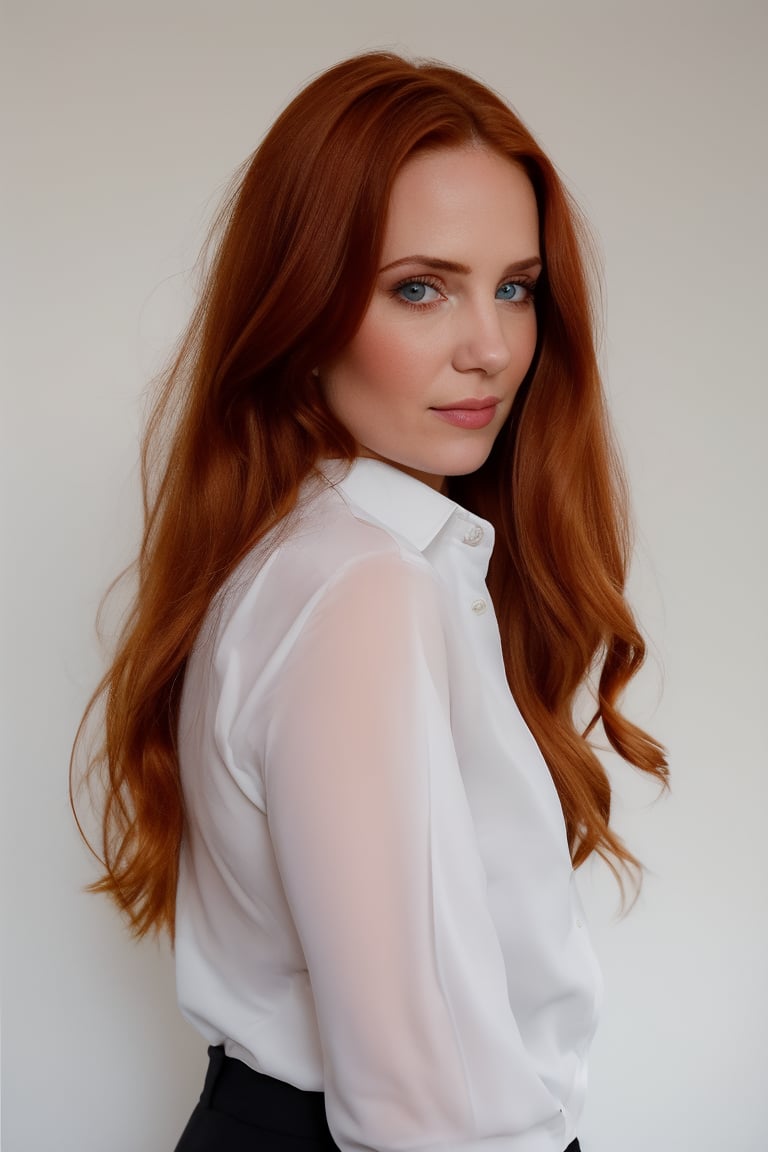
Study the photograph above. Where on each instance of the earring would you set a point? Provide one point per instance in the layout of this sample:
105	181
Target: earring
315	371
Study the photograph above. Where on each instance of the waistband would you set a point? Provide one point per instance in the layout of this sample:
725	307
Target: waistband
255	1098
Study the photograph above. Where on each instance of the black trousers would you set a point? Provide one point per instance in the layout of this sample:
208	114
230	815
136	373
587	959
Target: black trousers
245	1111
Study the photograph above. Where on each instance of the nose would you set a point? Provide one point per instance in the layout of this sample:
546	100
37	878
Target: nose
481	343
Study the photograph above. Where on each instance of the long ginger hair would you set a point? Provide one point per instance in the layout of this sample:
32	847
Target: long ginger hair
240	421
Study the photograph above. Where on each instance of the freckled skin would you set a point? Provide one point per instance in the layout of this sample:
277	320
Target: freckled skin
463	335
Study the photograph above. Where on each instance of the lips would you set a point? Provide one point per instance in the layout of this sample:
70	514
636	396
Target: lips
471	414
469	405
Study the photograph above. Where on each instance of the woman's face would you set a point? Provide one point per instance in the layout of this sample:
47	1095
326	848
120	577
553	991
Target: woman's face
429	378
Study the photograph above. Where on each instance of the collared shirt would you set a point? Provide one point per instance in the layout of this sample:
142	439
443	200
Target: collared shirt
376	898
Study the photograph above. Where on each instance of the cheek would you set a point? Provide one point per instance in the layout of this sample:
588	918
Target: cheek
383	359
394	343
523	346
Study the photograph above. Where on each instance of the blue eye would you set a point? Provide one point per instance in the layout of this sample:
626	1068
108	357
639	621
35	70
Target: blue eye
513	291
415	292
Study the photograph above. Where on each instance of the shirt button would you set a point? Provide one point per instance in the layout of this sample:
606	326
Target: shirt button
579	924
474	536
478	607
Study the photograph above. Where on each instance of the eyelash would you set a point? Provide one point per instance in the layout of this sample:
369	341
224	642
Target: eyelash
416	306
530	287
524	282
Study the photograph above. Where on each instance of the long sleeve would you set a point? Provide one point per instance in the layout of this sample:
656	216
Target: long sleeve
379	860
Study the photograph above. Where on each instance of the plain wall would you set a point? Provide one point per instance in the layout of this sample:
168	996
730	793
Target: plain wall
123	123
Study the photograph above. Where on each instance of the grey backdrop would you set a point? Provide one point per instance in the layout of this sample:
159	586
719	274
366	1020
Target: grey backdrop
122	124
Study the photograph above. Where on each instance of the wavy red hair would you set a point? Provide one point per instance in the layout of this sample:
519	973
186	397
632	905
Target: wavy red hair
240	422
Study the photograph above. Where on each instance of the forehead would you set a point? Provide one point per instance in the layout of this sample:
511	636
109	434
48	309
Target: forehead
451	200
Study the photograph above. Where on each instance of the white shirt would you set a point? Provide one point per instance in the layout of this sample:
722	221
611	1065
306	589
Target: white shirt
376	898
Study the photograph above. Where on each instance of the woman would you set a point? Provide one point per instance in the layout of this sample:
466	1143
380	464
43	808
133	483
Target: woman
341	766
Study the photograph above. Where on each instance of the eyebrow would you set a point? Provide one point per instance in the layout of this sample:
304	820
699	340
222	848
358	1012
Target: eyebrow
462	269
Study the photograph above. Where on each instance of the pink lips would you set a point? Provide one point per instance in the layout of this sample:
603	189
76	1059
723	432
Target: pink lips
469	413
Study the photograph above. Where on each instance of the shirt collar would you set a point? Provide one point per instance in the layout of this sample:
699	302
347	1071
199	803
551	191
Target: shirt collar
396	499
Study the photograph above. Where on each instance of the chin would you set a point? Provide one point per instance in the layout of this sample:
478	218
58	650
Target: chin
455	460
466	462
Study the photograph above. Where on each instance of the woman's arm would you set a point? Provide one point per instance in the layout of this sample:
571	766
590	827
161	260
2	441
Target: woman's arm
378	855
